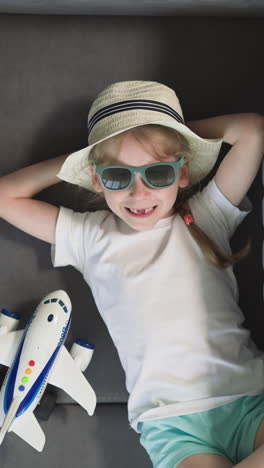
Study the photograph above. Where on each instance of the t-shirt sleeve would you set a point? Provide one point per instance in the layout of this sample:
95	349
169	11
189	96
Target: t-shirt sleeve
218	210
69	239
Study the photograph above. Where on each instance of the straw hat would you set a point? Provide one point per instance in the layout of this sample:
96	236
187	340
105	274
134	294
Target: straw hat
129	104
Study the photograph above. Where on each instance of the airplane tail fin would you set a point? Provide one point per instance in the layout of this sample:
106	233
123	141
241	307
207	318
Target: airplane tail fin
9	418
28	428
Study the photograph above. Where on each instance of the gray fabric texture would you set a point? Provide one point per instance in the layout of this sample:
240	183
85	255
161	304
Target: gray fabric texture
241	8
74	439
52	67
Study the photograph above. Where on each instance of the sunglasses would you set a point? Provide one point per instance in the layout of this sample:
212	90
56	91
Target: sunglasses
157	176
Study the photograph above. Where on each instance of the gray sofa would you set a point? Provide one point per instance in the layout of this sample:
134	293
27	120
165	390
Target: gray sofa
55	58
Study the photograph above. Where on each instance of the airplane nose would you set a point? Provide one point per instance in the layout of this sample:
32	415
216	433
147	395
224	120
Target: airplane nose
60	295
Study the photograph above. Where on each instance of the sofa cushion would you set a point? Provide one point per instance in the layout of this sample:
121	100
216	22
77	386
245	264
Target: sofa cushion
253	8
75	439
52	67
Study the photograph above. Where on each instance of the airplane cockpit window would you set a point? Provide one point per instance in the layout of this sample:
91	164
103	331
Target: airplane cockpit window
63	306
48	301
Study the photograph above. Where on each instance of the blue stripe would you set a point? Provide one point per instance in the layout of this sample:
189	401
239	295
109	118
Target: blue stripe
43	376
9	390
84	344
10	314
40	381
131	105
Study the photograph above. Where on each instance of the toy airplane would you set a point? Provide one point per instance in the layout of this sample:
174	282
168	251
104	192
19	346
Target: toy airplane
36	356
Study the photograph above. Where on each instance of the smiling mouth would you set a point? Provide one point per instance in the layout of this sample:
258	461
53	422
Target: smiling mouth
141	212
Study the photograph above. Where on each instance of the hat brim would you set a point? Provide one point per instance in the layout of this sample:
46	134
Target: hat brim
202	158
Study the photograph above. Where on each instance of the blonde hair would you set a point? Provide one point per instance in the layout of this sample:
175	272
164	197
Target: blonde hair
163	142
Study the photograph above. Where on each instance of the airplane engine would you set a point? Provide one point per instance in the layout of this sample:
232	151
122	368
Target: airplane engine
82	353
8	321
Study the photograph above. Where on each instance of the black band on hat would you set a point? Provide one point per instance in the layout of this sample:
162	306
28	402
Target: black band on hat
132	105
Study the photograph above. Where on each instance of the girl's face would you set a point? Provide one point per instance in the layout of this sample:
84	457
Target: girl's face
139	195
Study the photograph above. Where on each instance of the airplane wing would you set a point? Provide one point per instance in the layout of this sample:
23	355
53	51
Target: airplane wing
27	427
69	377
8	346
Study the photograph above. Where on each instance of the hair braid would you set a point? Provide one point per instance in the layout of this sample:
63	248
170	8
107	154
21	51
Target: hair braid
210	249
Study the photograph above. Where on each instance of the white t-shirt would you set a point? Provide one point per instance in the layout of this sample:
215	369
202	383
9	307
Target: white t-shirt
173	316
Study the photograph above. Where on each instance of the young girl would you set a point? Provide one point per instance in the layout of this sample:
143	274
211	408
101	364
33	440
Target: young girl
159	264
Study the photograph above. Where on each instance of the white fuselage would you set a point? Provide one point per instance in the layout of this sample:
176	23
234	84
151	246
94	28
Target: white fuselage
43	337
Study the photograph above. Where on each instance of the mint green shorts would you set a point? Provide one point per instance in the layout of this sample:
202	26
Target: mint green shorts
228	430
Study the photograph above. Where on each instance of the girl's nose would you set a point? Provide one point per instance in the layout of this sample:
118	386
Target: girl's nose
139	186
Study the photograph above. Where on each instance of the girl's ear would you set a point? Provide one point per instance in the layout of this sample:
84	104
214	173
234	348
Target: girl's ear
184	175
95	180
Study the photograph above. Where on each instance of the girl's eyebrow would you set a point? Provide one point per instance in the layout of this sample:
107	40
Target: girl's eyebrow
109	160
112	162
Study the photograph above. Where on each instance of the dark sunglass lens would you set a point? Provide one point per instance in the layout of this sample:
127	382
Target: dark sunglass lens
160	176
116	178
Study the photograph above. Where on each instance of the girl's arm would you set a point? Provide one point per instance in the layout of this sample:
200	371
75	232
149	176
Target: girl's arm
239	168
17	206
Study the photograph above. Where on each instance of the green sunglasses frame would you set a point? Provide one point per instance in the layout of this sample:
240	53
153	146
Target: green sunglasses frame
141	170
